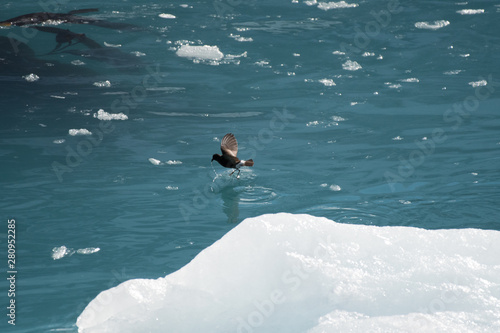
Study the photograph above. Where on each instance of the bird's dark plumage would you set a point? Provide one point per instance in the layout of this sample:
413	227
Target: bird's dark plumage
229	149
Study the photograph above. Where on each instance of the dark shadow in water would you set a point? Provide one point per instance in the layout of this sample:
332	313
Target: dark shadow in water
17	58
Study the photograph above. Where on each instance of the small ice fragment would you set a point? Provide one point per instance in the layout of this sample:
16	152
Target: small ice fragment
350	65
154	161
81	131
88	250
102	84
61	252
167	16
203	52
327	82
103	115
31	77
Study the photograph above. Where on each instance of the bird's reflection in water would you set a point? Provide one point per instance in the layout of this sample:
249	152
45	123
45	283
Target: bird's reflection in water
230	205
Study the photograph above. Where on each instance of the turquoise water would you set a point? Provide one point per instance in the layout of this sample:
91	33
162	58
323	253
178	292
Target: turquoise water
380	114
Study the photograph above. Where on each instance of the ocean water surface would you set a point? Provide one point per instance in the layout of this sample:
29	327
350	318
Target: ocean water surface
378	113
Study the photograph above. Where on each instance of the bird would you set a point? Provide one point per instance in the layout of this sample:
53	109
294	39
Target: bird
70	17
228	159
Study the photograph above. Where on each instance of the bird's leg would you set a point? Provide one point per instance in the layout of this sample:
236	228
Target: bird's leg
238	175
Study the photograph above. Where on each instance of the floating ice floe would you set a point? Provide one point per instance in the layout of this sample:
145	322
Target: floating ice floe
332	187
410	80
239	38
77	63
102	84
330	5
470	11
200	52
81	131
336	5
480	83
112	45
138	53
63	251
432	25
350	65
207	54
327	82
103	115
300	273
167	16
31	77
154	161
173	162
453	72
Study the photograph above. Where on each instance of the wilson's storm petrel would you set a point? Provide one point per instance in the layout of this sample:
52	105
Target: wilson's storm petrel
228	159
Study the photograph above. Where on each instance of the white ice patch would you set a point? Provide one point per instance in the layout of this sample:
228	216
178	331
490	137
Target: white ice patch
154	161
112	45
470	11
31	77
350	65
81	131
167	16
77	63
453	72
299	273
327	82
102	84
63	251
432	25
173	162
138	53
200	52
239	38
103	115
411	80
480	83
336	5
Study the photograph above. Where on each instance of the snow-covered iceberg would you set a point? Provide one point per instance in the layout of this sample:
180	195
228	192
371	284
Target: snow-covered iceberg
299	273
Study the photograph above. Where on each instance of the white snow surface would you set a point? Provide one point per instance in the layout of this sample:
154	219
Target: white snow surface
300	273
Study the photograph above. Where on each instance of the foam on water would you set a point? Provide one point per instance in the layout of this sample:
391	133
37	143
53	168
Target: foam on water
299	273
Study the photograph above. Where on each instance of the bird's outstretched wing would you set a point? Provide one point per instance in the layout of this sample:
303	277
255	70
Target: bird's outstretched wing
229	145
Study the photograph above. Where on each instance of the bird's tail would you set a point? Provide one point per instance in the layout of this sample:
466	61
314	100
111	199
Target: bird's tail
248	163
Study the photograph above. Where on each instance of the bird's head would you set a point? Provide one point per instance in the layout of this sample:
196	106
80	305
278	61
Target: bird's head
214	157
